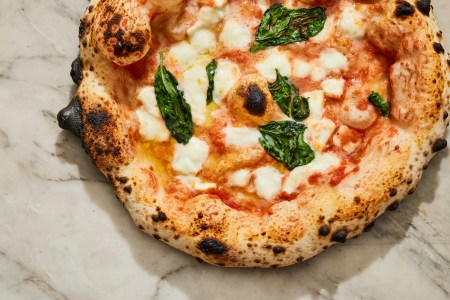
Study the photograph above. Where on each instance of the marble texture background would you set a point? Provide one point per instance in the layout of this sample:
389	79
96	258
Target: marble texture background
63	235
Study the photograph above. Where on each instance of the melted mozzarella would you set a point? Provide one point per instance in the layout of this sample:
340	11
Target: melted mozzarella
195	86
183	54
210	16
352	23
241	136
239	178
220	3
152	127
203	40
330	61
189	158
195	182
322	163
326	32
318	132
301	68
316	103
235	35
275	60
267	182
227	73
333	88
263	4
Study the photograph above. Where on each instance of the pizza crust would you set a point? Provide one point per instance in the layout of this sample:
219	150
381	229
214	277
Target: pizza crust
290	231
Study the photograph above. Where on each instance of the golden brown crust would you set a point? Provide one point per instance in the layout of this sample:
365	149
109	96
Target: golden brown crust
290	231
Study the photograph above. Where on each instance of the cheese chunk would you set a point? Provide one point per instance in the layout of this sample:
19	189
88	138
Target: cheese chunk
203	40
189	159
183	54
196	183
152	127
302	69
352	23
210	16
330	61
242	136
267	182
322	163
239	178
316	103
195	85
235	35
227	73
326	32
263	4
333	88
318	132
220	3
275	60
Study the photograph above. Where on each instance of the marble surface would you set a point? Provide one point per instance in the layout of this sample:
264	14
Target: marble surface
63	235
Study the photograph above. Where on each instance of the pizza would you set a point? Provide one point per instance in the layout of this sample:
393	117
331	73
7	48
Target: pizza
257	133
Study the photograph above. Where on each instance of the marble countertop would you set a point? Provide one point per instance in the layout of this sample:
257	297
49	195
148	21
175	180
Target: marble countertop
63	235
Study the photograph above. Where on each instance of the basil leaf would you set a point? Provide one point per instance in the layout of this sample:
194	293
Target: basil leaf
174	109
281	26
284	141
211	72
288	98
379	102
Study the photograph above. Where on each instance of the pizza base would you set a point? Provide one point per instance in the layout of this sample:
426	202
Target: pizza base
291	231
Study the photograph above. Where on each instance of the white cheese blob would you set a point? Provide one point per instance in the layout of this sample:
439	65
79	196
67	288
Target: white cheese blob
318	132
333	88
330	61
235	35
227	73
183	54
220	3
152	127
241	136
189	159
349	146
196	183
263	4
301	68
327	31
267	182
322	163
275	60
203	40
210	16
316	103
239	178
352	23
195	85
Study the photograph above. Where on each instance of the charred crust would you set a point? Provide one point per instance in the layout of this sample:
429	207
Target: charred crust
128	189
357	199
70	117
339	236
160	217
212	246
424	6
97	119
393	206
439	144
123	43
404	9
255	100
278	250
141	227
123	180
393	192
445	115
324	230
156	236
369	226
438	47
84	24
76	71
200	215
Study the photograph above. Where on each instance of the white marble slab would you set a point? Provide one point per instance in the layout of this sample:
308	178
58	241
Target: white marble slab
63	235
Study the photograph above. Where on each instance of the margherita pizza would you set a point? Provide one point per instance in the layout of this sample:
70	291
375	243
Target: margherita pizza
258	133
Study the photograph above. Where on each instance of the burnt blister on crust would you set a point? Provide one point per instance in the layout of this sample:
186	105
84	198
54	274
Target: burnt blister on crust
424	6
255	100
70	117
340	236
97	119
324	230
439	144
438	48
76	71
404	9
278	250
212	246
393	206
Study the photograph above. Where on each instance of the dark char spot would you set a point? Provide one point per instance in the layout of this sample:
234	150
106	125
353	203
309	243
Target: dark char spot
404	9
76	71
278	250
393	206
438	48
339	236
70	118
125	45
393	192
324	230
424	6
128	189
369	226
255	103
439	144
97	119
212	246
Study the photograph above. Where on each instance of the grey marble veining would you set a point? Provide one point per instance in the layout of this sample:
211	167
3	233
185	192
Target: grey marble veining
63	235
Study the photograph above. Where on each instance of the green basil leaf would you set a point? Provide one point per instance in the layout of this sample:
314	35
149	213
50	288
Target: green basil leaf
284	141
281	26
379	102
211	72
174	109
288	98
